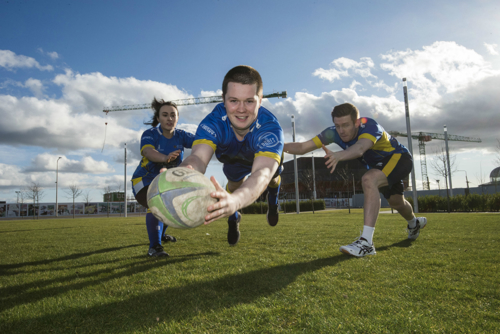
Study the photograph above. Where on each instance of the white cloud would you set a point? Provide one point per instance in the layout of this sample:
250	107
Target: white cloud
9	60
448	84
48	162
491	48
342	66
35	86
54	55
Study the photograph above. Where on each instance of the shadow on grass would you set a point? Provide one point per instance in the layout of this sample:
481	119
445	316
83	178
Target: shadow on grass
35	291
37	229
401	244
5	267
169	304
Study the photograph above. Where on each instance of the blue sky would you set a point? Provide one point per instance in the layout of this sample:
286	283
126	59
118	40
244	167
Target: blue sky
61	62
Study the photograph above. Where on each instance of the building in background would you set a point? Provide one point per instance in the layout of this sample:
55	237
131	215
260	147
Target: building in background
342	183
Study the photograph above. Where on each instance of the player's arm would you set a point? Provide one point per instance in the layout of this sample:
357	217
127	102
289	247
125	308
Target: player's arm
353	152
263	169
153	155
300	148
199	158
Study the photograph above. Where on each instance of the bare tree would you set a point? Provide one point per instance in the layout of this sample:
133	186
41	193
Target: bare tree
306	176
107	196
34	191
439	163
73	192
86	196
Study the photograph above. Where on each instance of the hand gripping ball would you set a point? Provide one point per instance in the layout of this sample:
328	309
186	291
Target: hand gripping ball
179	197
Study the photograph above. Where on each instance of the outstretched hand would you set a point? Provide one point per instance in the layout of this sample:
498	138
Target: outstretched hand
225	207
173	155
331	159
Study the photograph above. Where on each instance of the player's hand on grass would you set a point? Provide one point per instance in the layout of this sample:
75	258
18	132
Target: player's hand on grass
331	159
225	207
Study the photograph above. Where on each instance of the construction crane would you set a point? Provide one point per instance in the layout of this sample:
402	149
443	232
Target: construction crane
184	102
424	137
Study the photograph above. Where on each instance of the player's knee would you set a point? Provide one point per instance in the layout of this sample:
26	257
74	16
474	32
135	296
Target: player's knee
368	180
275	181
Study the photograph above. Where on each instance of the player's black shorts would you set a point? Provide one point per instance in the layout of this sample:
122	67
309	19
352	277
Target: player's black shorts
395	167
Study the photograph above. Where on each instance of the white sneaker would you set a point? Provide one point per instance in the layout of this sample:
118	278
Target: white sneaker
359	248
414	232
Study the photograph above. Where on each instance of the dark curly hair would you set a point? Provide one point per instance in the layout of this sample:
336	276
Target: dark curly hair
156	106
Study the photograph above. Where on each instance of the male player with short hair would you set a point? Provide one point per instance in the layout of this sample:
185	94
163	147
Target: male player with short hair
388	163
248	140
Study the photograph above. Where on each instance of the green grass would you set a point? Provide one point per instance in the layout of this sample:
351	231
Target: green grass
93	276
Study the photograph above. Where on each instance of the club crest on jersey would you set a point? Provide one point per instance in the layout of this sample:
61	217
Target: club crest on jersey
268	139
209	130
224	118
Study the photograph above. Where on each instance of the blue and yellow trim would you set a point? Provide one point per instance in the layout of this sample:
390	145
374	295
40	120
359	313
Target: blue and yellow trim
205	141
271	155
318	142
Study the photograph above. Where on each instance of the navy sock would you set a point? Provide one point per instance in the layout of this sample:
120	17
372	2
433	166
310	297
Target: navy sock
234	216
273	194
154	229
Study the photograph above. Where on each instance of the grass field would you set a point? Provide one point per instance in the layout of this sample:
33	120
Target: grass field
93	276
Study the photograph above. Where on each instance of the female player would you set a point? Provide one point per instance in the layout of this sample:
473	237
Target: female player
161	147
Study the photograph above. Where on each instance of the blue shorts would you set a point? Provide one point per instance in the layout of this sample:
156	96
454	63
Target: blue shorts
141	182
395	167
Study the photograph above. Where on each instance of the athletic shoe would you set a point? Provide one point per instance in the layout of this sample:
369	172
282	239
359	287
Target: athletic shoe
157	251
233	233
359	248
167	238
414	232
272	214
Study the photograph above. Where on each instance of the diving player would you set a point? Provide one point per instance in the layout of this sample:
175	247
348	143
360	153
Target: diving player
388	163
248	140
161	147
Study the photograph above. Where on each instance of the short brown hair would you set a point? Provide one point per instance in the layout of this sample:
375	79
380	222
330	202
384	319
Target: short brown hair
156	106
346	109
245	75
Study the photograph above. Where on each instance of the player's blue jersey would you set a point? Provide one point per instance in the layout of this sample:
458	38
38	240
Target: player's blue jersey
384	144
148	170
265	138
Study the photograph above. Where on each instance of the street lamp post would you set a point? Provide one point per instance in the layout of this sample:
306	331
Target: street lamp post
57	176
466	181
18	192
439	188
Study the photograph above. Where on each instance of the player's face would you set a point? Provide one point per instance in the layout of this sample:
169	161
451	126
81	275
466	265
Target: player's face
168	118
346	128
242	105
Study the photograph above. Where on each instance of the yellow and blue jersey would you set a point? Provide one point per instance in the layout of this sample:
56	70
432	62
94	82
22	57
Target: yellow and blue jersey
265	138
384	144
148	170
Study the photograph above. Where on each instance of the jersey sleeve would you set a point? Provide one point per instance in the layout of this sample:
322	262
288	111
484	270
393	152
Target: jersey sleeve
372	131
187	139
147	140
326	137
270	141
208	132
